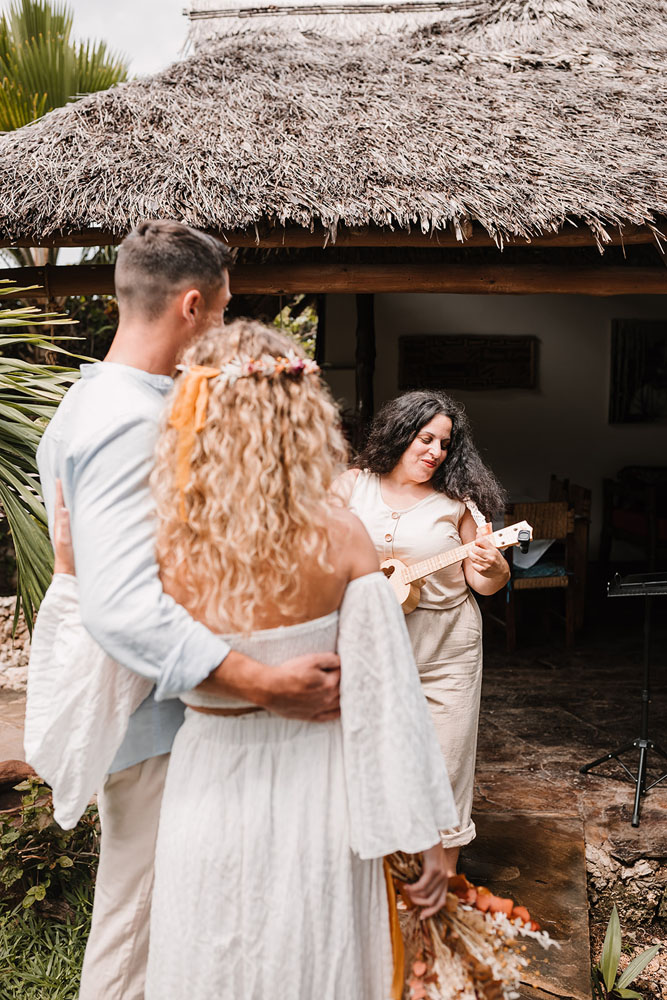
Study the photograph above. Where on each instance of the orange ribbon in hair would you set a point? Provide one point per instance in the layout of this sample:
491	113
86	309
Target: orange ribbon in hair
188	416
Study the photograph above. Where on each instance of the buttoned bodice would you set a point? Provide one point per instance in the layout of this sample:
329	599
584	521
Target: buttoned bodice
425	529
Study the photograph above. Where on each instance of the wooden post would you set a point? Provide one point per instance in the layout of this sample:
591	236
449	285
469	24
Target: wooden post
321	335
365	367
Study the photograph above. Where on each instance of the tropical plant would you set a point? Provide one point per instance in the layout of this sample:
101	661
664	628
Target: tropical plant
47	877
29	395
96	315
97	319
42	68
298	319
607	985
39	861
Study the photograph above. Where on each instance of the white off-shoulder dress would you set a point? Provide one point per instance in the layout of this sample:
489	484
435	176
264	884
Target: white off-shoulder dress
269	878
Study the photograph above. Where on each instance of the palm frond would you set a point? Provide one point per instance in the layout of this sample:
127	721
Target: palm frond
29	19
42	68
29	396
98	68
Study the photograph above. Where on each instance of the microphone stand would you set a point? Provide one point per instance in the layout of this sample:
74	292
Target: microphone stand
648	586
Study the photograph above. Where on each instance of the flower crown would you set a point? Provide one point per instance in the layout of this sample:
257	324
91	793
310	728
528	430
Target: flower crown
188	411
266	366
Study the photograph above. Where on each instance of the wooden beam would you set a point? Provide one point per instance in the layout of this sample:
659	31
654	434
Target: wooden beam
348	278
368	236
321	336
472	278
59	281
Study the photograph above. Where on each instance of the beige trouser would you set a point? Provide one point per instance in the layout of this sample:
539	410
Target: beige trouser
114	966
448	650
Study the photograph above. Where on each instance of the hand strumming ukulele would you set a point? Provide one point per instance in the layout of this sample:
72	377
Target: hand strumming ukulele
406	581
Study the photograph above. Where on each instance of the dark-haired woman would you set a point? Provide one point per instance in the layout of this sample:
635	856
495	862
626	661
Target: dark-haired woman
413	487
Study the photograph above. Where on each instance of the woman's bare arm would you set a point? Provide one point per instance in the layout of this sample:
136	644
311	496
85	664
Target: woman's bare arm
62	536
486	570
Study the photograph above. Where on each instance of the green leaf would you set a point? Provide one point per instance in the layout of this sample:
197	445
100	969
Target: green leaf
29	395
35	892
42	67
598	991
627	994
65	862
611	950
10	875
637	965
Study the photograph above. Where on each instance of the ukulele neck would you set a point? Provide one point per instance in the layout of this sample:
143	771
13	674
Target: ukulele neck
434	563
514	534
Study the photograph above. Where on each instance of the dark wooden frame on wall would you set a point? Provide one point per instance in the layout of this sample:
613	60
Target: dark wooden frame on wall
638	383
468	362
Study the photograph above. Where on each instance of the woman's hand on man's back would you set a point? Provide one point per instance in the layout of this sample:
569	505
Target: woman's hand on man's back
62	536
307	687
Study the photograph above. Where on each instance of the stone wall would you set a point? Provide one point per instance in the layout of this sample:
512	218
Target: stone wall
14	651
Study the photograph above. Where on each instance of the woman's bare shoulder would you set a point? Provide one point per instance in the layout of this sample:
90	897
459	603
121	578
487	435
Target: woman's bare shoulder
343	521
342	486
352	549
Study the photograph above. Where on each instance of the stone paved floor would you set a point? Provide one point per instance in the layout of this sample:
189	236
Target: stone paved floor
545	712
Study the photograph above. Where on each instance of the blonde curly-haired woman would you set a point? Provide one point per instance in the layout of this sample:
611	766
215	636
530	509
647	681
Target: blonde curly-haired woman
269	877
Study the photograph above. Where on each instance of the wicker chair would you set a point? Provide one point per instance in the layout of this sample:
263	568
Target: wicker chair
555	569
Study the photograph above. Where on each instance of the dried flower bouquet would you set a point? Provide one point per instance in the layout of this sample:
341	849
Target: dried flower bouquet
471	949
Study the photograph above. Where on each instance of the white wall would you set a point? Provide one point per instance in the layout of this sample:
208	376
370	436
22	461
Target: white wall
525	435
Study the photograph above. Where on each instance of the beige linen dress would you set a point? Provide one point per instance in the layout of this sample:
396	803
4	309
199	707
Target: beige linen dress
445	628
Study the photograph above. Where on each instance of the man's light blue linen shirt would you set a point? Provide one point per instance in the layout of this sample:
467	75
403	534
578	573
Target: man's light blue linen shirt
101	444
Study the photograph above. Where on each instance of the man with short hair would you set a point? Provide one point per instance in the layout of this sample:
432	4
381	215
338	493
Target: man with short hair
172	285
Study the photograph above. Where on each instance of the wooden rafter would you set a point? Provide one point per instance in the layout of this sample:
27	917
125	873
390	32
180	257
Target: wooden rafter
320	277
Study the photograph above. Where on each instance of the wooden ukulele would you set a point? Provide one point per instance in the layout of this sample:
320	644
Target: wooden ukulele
406	581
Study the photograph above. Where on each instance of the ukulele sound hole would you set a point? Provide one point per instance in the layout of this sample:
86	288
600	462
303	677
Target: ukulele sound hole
388	571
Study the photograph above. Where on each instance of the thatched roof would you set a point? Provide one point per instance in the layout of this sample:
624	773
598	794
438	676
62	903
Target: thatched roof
523	115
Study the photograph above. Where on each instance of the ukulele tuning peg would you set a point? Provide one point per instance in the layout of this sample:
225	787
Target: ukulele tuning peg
524	540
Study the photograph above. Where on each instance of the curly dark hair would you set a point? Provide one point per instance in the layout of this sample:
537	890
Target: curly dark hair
462	476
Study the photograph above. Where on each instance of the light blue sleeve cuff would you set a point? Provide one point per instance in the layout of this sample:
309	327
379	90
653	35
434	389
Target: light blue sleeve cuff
182	672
